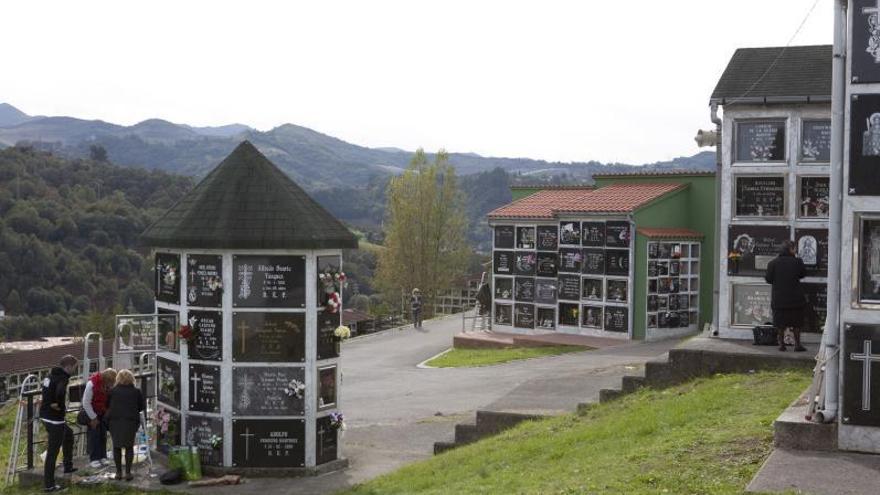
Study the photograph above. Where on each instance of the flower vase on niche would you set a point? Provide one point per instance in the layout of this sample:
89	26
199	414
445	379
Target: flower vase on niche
733	262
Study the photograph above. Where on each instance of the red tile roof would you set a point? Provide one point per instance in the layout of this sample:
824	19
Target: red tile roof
658	173
616	198
669	233
21	361
350	316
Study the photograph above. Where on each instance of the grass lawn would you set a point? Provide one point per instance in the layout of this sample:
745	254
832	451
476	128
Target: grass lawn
468	358
706	437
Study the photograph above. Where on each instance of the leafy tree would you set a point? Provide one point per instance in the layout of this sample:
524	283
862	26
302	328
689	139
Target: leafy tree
97	153
425	243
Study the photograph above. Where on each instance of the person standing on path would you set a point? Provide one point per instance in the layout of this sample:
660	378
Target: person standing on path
94	403
415	303
124	405
788	299
53	410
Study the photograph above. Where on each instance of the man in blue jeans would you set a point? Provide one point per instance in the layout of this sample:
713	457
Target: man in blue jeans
53	410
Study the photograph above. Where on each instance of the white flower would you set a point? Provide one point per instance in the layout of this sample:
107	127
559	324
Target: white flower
342	332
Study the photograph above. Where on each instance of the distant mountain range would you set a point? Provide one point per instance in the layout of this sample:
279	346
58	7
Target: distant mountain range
315	160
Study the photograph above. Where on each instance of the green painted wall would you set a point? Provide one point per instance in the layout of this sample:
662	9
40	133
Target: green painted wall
521	192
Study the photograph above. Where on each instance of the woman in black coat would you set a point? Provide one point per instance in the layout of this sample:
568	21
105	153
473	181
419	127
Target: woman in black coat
124	405
788	299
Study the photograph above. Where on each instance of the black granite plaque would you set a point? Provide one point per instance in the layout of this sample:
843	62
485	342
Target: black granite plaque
592	289
865	54
812	249
269	281
208	341
813	197
861	375
167	274
524	289
328	344
617	262
617	234
864	145
673	303
526	263
570	260
204	286
169	324
503	288
817	297
617	291
504	314
547	264
760	141
548	237
869	261
268	337
326	441
570	233
594	261
269	443
569	314
199	431
502	262
816	142
760	196
505	236
265	391
653	303
592	316
653	250
616	319
204	388
327	387
524	316
652	320
168	382
546	319
757	244
525	238
570	287
545	291
593	234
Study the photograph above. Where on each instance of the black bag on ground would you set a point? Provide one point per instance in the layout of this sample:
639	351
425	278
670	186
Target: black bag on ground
171	477
82	418
765	335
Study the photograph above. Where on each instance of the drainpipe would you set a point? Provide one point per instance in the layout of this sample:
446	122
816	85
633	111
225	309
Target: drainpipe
831	335
716	279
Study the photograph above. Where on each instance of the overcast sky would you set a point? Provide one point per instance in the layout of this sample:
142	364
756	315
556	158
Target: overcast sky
621	81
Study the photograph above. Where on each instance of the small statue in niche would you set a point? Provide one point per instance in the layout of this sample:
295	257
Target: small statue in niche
871	136
808	250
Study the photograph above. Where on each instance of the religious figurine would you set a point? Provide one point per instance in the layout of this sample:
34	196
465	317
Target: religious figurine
873	47
806	203
871	136
808	250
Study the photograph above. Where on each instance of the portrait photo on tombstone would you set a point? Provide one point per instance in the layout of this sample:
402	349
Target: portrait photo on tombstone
760	141
755	246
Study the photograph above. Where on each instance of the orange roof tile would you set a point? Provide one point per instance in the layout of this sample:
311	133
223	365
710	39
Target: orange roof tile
616	198
669	233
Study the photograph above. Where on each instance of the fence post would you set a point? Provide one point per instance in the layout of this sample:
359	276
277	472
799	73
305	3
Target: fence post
30	431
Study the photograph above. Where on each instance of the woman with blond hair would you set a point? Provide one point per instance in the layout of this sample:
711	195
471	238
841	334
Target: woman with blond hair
124	405
94	404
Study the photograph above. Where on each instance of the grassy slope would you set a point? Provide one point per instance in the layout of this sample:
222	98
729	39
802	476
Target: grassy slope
461	358
706	437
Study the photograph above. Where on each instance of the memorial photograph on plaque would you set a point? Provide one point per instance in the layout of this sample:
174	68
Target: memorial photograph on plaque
592	316
760	141
865	53
525	238
546	319
548	237
594	261
569	287
617	291
750	305
524	289
813	197
204	388
524	316
269	281
168	382
135	334
864	145
815	142
756	245
268	391
326	441
570	233
547	264
208	341
505	236
759	196
592	289
617	234
570	260
617	319
204	286
812	249
593	234
616	262
326	387
504	314
503	288
199	433
868	240
167	273
268	337
569	314
328	343
545	291
268	443
169	324
525	264
502	262
817	299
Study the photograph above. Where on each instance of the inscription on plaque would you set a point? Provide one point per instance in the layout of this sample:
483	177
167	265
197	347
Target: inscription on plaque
594	261
524	289
570	233
204	280
524	316
865	54
593	234
199	433
616	319
592	289
168	382
505	236
167	273
547	264
204	388
617	262
525	238
760	196
545	291
751	305
570	260
268	337
526	262
757	245
548	237
570	287
328	346
265	391
816	141
817	299
617	234
760	141
502	262
208	341
269	281
326	441
268	442
813	197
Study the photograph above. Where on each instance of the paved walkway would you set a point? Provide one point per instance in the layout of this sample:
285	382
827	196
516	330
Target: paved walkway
818	473
396	411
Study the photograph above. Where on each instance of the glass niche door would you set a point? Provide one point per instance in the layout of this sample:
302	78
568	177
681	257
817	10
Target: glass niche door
673	296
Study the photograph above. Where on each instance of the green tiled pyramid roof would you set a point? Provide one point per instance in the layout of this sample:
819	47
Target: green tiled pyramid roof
248	203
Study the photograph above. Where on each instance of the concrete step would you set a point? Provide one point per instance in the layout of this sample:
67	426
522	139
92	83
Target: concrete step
632	383
793	431
466	433
440	447
609	394
493	422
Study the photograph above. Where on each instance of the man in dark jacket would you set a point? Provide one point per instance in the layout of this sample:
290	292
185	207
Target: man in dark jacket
53	410
788	299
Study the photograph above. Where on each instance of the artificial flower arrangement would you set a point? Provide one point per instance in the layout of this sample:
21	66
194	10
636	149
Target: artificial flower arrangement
188	333
342	332
216	441
734	256
337	421
332	282
295	388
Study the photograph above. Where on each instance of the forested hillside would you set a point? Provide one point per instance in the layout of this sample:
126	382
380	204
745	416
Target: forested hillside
69	256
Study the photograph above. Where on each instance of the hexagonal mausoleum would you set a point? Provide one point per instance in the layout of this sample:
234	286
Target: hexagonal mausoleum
256	381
